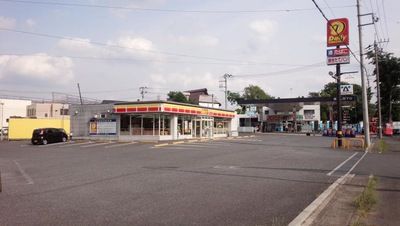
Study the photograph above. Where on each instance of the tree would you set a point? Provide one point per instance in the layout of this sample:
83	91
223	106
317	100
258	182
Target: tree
389	76
253	92
233	97
177	97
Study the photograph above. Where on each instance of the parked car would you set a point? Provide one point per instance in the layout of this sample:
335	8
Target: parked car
48	135
4	131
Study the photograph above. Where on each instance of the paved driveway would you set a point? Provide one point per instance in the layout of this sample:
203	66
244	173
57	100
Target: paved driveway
256	180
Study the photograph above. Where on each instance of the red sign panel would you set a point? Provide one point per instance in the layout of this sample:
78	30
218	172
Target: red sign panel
338	32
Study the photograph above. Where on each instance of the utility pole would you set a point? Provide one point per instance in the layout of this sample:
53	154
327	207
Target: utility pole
378	91
143	91
2	119
363	82
225	81
80	95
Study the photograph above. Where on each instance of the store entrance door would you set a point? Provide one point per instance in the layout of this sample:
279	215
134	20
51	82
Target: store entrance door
203	127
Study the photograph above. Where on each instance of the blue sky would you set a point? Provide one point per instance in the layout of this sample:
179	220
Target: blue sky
177	50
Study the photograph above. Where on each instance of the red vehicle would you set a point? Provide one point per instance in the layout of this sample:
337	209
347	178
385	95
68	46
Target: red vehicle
388	130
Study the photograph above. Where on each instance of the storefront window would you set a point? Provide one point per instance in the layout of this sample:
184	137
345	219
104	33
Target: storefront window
136	125
166	125
148	124
220	126
124	127
185	125
157	125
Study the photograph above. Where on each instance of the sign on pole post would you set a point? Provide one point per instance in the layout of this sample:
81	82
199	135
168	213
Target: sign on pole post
346	89
338	32
338	56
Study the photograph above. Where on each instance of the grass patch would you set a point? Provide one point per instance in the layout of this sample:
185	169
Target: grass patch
380	146
358	223
368	198
278	221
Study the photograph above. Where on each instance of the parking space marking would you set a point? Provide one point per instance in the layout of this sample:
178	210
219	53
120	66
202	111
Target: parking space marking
57	144
76	144
96	144
341	164
23	173
120	144
176	148
160	145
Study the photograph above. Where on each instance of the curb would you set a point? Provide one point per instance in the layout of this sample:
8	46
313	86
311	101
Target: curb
308	215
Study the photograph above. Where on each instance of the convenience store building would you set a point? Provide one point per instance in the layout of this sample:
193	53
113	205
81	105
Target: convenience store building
151	120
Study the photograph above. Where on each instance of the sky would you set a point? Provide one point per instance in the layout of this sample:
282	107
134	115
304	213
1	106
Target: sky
111	48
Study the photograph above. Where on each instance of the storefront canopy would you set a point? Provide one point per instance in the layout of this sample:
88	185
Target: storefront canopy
170	107
289	104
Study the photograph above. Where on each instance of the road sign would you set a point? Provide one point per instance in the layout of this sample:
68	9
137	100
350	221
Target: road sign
345	115
338	60
347	98
337	52
338	32
346	89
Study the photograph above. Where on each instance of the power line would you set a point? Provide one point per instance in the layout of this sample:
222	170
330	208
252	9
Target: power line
129	60
167	10
385	18
330	9
116	46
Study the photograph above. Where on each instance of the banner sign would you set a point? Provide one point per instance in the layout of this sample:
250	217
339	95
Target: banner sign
337	52
103	127
346	89
338	60
338	32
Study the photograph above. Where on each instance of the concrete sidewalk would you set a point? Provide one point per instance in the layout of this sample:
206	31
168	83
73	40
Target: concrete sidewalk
386	168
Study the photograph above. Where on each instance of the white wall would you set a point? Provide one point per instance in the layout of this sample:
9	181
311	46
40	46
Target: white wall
209	105
12	107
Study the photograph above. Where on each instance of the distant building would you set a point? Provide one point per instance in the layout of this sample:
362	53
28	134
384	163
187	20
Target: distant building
202	98
47	110
12	108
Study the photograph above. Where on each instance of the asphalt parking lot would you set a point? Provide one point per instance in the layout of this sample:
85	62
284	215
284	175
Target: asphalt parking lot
253	180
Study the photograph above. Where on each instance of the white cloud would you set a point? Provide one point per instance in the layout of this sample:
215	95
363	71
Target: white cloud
76	44
135	43
6	22
39	66
264	28
30	23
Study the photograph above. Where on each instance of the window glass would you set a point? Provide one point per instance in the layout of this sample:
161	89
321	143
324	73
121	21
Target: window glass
185	125
136	125
166	125
148	123
157	125
124	128
220	126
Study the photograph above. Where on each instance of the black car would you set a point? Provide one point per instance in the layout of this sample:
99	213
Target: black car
48	135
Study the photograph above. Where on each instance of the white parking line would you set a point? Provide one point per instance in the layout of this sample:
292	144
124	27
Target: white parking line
96	144
341	164
75	144
23	173
120	144
57	144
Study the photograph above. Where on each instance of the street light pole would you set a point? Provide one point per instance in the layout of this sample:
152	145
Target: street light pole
378	91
